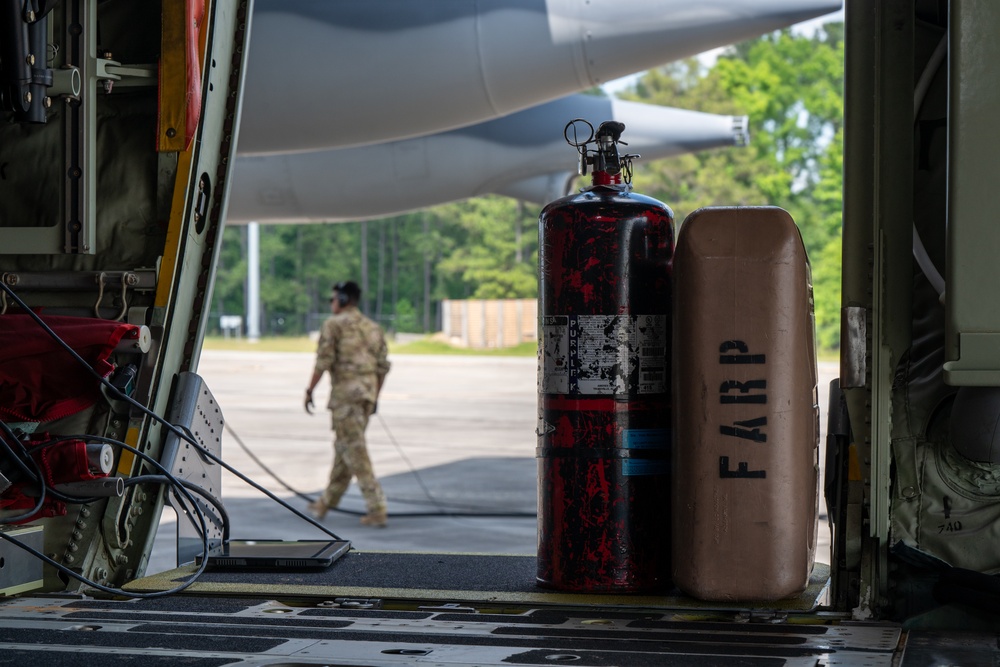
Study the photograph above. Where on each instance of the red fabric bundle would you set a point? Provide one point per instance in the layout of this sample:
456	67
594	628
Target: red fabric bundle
39	380
65	462
195	16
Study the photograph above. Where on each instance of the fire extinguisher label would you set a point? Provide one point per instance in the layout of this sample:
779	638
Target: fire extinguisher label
604	354
554	355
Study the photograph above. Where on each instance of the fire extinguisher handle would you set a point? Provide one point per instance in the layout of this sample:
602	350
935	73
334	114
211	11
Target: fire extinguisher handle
612	129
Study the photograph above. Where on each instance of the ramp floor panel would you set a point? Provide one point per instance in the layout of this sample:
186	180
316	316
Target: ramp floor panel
258	631
445	578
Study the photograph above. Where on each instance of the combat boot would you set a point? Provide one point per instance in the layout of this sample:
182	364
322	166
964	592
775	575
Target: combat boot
375	519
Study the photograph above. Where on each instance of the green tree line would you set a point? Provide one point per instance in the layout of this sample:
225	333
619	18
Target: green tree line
790	86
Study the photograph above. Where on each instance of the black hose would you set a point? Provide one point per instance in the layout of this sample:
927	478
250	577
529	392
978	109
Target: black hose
441	506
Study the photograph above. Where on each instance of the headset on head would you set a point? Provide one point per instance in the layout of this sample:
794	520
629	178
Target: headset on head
342	298
342	289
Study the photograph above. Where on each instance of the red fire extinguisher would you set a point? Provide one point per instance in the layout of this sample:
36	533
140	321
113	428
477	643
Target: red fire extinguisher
604	379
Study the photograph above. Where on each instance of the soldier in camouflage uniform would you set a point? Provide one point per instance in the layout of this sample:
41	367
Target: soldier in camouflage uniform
352	349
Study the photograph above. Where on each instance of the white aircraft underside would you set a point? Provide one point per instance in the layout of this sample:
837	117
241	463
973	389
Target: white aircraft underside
364	109
523	154
336	74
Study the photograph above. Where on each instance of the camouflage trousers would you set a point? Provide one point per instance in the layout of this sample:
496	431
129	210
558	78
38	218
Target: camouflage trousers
350	457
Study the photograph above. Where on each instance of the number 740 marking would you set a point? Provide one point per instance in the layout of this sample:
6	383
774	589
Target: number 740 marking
950	527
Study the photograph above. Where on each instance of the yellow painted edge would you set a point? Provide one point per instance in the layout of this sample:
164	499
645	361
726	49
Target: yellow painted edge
173	78
171	247
127	459
22	588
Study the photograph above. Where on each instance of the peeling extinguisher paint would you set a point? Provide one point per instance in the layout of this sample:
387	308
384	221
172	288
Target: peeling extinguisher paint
604	392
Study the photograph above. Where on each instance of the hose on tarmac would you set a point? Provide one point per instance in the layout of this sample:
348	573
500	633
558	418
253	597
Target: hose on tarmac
443	509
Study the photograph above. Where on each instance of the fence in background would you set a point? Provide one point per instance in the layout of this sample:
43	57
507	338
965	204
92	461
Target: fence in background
486	323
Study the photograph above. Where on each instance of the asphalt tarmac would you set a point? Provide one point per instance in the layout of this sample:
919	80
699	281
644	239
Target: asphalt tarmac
453	440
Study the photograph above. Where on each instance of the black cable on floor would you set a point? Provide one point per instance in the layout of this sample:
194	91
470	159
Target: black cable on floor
442	507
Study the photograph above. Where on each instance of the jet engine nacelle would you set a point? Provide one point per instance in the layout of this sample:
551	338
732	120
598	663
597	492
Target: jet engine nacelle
500	156
327	75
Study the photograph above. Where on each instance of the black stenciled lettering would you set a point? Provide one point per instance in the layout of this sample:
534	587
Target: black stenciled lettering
734	345
750	431
743	358
742	470
744	389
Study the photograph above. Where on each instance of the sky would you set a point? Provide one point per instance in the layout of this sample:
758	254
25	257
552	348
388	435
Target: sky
708	57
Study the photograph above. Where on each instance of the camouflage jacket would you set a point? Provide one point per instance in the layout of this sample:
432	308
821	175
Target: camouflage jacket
352	349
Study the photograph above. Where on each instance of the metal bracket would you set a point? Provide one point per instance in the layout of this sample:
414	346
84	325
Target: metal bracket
113	73
194	410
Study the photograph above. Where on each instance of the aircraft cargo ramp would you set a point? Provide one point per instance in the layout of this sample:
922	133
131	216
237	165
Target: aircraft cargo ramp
373	608
454	609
